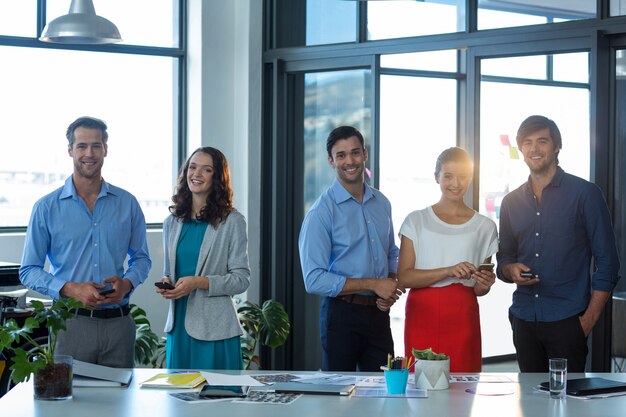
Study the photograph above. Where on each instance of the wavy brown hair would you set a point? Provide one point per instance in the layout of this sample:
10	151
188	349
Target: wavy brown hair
219	202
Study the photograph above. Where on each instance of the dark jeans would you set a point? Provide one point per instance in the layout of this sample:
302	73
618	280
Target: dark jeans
536	342
354	336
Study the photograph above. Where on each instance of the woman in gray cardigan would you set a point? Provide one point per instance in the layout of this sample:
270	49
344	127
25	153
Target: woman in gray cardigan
206	261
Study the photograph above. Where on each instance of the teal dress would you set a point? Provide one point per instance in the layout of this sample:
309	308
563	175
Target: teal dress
182	350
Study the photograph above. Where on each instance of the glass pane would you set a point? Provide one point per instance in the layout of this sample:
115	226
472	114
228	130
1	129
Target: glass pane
399	19
413	132
134	94
509	13
428	61
330	21
617	7
533	67
502	169
140	22
571	67
18	18
331	99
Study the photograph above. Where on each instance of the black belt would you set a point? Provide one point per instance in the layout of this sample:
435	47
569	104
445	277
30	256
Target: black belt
108	313
364	300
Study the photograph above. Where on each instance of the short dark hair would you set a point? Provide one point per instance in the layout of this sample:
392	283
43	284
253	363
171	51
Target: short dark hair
89	123
342	132
455	154
535	123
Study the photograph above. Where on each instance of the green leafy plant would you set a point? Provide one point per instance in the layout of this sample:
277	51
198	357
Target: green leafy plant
146	341
267	324
429	355
13	337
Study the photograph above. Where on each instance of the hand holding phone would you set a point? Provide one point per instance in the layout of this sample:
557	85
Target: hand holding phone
164	285
486	267
107	289
527	274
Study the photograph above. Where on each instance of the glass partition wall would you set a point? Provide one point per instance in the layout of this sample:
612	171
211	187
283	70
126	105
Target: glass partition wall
419	90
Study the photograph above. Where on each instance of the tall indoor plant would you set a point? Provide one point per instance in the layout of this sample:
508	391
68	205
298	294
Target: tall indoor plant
32	357
267	324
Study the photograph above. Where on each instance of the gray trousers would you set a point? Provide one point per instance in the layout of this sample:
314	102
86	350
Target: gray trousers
108	342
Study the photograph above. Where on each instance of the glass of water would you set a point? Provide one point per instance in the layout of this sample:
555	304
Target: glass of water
558	378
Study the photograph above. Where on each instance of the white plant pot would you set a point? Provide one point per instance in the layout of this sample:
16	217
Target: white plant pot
432	375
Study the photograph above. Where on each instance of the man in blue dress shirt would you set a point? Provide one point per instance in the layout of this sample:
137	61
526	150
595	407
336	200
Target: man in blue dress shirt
348	255
86	229
551	227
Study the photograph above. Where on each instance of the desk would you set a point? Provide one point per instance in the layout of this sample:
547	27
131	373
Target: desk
135	401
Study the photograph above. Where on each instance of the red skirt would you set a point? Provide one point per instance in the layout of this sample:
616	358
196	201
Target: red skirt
447	320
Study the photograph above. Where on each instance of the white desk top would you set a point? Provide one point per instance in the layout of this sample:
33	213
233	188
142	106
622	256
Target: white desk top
134	401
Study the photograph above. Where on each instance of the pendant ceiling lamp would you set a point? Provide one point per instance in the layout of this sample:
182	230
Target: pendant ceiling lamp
81	26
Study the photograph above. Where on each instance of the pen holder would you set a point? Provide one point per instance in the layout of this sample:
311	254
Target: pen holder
396	380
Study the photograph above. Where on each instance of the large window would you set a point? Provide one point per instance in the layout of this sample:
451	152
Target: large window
136	92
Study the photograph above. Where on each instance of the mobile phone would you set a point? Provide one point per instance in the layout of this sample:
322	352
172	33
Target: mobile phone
107	289
164	285
486	267
528	274
224	391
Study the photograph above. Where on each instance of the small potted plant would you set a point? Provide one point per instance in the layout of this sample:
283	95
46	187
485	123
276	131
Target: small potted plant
53	374
432	370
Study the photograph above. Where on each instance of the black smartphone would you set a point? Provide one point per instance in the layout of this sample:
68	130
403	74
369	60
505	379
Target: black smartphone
528	274
107	289
164	285
486	267
224	391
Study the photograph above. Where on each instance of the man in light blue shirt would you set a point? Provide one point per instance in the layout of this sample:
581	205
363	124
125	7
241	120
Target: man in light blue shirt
348	255
86	229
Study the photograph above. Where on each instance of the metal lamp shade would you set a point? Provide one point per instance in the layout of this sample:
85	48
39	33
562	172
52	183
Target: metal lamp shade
81	26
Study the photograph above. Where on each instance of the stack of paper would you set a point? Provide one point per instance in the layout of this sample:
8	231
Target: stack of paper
91	375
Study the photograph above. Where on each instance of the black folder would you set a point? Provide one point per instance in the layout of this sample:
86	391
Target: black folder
590	386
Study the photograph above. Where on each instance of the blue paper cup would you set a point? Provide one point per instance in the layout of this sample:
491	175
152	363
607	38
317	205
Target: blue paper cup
396	380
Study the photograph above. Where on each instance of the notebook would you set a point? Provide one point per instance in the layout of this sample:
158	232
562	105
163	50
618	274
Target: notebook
321	389
183	379
590	386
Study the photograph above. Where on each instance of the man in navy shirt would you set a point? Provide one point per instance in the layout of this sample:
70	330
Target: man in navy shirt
551	227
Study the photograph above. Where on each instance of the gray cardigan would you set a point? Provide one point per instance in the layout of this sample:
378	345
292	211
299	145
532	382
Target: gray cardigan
211	314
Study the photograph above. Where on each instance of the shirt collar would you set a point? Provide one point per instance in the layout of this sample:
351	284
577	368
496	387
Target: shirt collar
340	194
69	190
555	182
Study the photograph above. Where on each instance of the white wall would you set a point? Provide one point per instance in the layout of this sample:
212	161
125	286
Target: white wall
224	111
